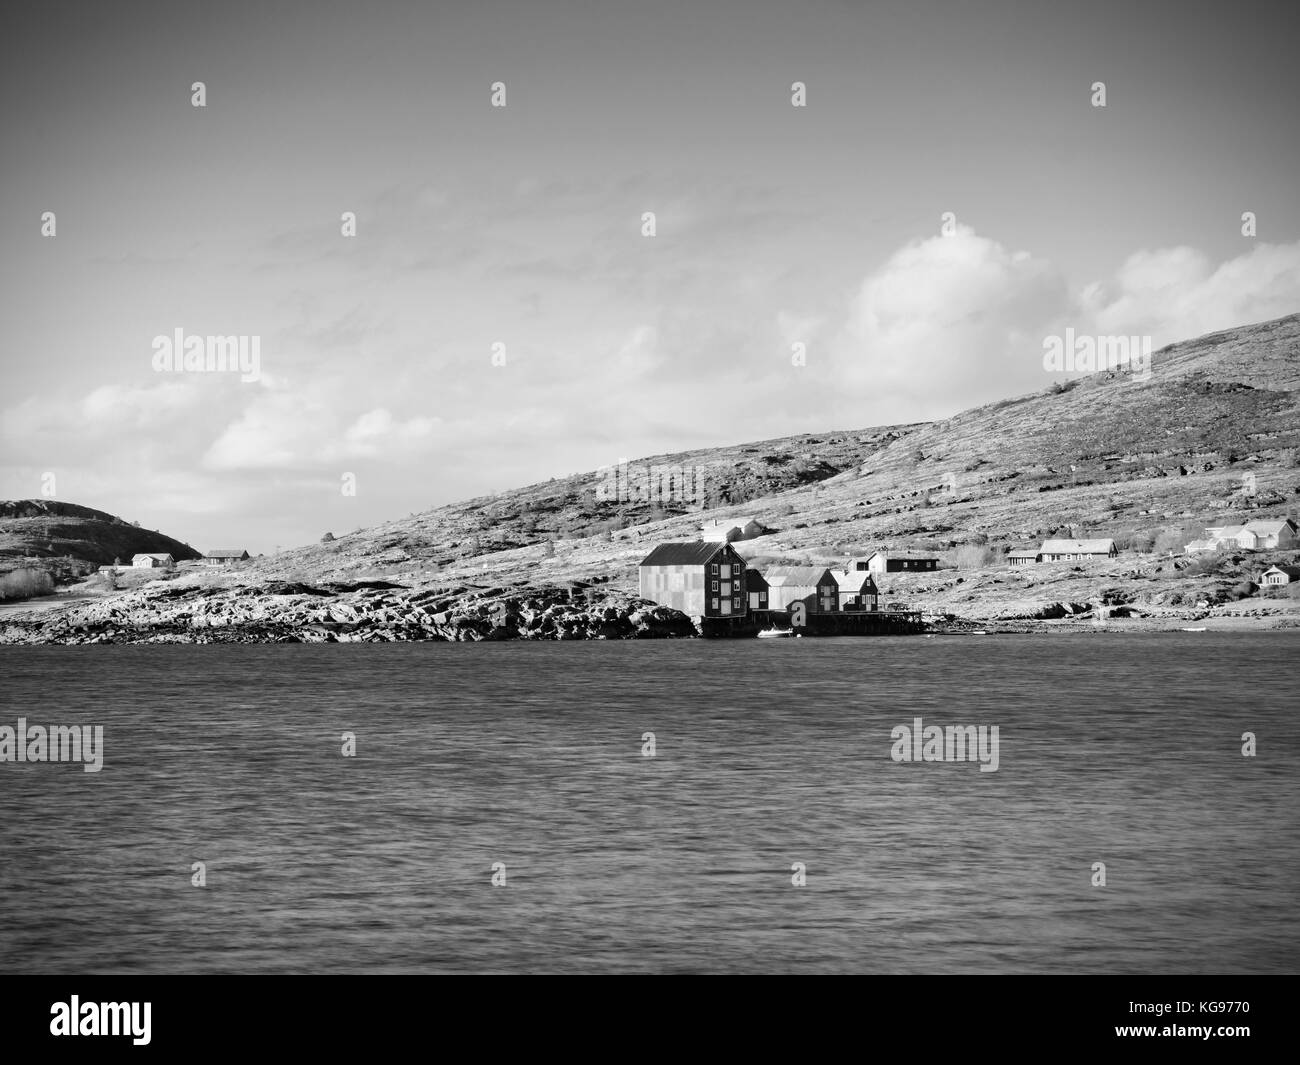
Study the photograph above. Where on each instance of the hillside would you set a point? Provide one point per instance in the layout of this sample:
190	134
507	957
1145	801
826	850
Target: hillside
1210	437
66	540
1212	434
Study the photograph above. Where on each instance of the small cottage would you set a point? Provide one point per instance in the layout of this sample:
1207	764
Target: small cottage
1023	557
161	560
225	556
1277	576
1077	550
895	562
756	589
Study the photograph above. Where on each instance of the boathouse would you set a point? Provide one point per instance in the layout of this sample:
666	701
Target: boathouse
814	586
857	590
700	579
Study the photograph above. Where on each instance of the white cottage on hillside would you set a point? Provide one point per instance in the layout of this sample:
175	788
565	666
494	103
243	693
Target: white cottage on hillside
152	561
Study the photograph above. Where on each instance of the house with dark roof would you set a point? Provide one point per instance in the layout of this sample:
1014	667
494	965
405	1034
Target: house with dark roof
702	580
756	589
225	556
814	586
895	562
152	560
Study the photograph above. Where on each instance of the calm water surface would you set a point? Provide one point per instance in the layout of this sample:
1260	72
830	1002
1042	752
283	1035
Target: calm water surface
1119	749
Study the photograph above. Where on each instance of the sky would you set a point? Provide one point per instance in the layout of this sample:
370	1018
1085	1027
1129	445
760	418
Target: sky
896	249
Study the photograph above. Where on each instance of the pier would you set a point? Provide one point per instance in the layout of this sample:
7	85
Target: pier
846	623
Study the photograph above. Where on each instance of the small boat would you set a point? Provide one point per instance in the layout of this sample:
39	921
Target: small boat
1201	629
978	632
772	634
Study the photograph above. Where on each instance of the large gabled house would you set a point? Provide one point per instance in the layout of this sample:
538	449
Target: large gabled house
701	579
814	586
1274	534
1260	534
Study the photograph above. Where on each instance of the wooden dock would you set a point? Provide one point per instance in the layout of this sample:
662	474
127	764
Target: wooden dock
847	623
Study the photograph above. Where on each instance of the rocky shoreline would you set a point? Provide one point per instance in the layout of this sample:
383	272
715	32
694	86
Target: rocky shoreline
287	612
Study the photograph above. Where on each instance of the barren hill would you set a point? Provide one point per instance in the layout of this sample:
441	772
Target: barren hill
67	540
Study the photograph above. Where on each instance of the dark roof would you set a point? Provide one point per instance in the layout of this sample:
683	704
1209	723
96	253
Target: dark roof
691	554
227	552
753	578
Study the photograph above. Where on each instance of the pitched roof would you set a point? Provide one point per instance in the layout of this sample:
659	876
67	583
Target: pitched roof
696	553
1200	545
1024	552
1266	526
1077	547
151	554
1224	532
795	576
1291	571
854	580
227	552
753	578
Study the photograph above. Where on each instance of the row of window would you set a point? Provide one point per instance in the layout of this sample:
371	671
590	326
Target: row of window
735	568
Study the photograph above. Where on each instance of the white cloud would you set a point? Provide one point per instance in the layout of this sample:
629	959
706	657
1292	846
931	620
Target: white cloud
1177	293
947	322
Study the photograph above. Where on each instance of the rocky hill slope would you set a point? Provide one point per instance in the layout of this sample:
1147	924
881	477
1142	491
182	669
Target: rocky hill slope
1210	436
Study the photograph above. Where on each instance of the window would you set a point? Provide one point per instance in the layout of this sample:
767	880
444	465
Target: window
714	588
714	571
715	602
735	569
736	603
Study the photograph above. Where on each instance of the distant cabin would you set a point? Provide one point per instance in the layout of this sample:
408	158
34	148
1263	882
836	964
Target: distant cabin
857	590
756	589
814	586
1026	556
225	556
703	580
1077	550
885	562
1276	576
731	529
1261	534
152	561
